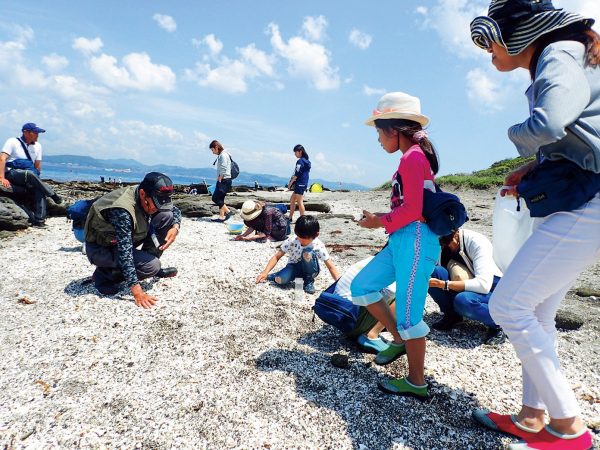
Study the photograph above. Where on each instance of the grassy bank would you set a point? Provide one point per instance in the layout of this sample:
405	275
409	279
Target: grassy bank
480	179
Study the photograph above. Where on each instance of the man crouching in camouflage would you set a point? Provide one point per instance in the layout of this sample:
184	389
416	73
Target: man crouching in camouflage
121	221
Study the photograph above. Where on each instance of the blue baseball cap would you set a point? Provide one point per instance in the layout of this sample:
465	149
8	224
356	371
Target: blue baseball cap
32	127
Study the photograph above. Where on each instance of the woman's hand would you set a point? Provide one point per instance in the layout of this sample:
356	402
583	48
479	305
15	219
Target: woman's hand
436	283
514	178
369	220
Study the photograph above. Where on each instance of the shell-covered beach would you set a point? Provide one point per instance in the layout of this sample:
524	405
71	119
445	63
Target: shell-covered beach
221	362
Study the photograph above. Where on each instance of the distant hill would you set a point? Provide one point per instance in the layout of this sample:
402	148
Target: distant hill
82	167
480	179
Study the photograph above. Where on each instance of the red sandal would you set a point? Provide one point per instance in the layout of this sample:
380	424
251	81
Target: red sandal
548	439
505	423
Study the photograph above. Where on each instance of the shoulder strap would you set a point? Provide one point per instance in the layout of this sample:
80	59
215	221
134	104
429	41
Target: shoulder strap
25	149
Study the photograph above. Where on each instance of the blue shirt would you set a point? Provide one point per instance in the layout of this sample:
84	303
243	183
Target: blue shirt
564	104
302	171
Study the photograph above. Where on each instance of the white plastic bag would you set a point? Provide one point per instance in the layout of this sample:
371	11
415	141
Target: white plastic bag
510	229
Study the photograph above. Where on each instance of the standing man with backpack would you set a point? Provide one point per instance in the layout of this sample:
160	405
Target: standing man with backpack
21	165
124	219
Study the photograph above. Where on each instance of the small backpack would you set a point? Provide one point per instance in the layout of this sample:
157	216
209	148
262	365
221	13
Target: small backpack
235	169
344	315
443	211
78	212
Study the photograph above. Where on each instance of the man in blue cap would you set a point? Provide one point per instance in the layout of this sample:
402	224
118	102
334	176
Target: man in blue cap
123	220
20	166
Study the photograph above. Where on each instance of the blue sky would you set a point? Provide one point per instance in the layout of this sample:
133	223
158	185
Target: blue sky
158	80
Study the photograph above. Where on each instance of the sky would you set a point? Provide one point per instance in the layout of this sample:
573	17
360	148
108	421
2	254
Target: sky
156	81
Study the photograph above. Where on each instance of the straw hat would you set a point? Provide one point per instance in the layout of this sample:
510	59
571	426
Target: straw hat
515	24
398	105
250	210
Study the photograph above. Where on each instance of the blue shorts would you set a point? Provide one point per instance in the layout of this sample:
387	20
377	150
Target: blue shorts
300	189
408	259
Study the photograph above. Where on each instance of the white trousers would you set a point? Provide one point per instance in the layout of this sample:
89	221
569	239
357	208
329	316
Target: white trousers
525	301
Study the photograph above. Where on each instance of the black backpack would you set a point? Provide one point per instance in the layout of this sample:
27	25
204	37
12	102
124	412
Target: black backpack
235	169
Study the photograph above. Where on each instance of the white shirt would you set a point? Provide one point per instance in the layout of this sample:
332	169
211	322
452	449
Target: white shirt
342	288
477	252
294	249
14	150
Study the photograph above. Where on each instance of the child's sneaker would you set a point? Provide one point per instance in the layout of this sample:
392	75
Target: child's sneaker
401	386
371	345
390	354
309	288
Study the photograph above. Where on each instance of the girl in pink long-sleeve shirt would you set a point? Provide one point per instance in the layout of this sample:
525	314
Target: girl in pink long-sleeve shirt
412	249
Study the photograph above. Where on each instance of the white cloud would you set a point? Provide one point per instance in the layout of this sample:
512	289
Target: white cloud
87	46
214	45
451	19
136	72
167	23
367	90
422	10
485	91
314	27
306	59
360	39
232	75
590	8
54	62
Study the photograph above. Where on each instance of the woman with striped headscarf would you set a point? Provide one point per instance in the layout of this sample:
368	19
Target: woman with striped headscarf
562	54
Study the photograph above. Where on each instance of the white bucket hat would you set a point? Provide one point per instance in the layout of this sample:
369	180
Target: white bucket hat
398	105
250	210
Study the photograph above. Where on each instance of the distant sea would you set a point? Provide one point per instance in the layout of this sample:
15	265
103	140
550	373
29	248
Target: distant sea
57	173
85	168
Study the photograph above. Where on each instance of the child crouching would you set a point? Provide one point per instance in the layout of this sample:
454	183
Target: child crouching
304	252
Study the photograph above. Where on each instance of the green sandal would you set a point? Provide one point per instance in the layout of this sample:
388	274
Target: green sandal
390	354
401	386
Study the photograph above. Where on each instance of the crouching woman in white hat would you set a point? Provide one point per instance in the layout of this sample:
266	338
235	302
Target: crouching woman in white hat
562	54
264	222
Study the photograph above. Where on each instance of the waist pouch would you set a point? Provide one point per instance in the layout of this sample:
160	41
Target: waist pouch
22	164
554	186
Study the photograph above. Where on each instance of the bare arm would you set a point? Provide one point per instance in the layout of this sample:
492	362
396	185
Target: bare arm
457	286
332	269
272	263
3	181
38	165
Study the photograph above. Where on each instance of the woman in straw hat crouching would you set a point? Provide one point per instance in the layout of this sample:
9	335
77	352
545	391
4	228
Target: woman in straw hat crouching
561	53
264	222
412	249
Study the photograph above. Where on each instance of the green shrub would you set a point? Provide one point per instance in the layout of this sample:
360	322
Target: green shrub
480	179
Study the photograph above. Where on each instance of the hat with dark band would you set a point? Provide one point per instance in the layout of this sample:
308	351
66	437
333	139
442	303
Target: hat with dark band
515	24
159	188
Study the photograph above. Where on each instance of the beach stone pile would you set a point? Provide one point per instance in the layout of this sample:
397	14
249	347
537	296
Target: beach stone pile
224	363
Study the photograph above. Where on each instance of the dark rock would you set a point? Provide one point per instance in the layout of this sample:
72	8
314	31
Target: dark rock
12	216
585	292
340	360
193	207
566	320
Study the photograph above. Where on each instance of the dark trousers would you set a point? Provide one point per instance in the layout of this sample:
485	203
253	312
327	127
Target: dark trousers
35	188
307	269
146	260
221	190
468	304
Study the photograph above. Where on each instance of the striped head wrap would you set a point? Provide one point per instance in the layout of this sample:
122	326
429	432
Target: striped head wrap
515	24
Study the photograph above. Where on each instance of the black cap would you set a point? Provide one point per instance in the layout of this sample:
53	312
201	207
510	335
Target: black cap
159	187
